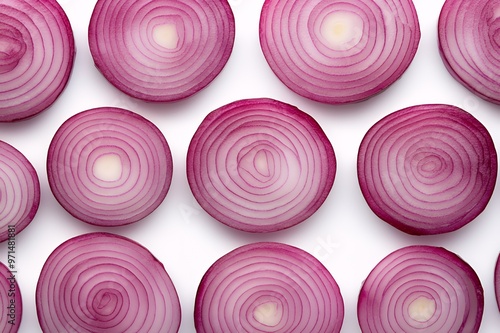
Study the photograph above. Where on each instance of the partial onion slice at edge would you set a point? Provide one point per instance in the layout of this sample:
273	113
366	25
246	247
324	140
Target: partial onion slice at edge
10	300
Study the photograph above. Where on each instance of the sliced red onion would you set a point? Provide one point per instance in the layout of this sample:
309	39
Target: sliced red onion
10	301
339	51
427	169
101	282
19	191
497	281
37	53
268	287
421	289
109	166
260	165
158	50
469	42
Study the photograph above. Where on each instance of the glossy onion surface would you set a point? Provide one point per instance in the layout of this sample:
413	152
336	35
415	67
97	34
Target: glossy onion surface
427	169
109	166
260	165
37	52
421	289
268	287
101	282
19	191
158	50
10	301
339	51
469	42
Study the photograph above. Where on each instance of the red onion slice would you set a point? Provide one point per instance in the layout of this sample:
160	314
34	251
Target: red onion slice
339	51
497	281
469	42
427	169
37	53
158	50
10	301
19	191
268	287
109	166
100	282
421	289
260	165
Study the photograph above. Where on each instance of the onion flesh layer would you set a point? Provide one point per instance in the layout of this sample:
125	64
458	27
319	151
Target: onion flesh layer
10	301
421	289
109	166
260	165
339	51
101	282
268	287
37	52
427	169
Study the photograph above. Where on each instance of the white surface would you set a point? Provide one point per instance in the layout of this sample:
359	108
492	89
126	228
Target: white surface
344	234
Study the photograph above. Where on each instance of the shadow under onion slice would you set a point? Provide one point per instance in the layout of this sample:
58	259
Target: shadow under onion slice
469	43
19	191
421	289
37	53
109	166
427	169
339	51
10	301
161	51
101	282
268	287
260	165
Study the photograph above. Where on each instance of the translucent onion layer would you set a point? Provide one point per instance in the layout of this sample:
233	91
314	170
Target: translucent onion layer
469	42
421	289
37	53
158	50
427	169
100	282
10	301
339	51
260	165
268	287
109	166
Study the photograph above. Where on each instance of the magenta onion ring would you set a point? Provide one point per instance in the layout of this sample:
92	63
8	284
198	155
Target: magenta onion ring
496	281
268	287
161	51
10	301
101	282
421	289
19	191
469	43
37	53
339	52
109	166
427	169
260	165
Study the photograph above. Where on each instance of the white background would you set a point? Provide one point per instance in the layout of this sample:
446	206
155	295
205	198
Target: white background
344	234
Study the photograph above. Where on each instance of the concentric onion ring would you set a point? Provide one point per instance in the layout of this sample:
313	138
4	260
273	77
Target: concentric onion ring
260	165
268	287
158	50
469	42
19	191
109	166
339	51
427	169
101	282
421	289
37	53
10	301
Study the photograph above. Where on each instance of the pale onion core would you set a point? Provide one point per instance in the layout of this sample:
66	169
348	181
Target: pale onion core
421	289
268	287
19	191
102	282
37	52
109	166
427	169
260	165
